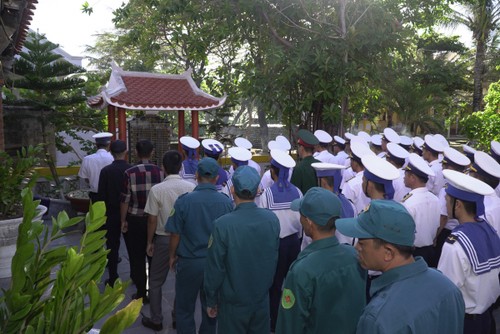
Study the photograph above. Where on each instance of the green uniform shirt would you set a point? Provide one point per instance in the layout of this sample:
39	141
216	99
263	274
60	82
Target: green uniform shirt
303	175
242	256
324	290
413	299
193	217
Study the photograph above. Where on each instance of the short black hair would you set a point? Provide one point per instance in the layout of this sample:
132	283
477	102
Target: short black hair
144	148
172	162
245	195
308	149
489	180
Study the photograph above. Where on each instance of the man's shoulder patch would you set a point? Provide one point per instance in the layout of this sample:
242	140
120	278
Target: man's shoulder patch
406	197
287	299
451	239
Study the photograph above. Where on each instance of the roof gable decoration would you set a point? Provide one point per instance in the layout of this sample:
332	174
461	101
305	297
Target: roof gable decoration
153	91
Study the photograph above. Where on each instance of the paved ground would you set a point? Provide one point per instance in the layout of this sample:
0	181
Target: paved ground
168	294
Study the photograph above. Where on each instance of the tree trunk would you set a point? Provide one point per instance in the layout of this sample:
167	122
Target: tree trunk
477	97
344	104
263	129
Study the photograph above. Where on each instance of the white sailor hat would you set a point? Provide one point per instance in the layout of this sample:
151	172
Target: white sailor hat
380	171
391	136
467	188
359	149
455	158
189	142
348	136
102	137
339	140
284	142
212	146
323	137
275	145
243	142
432	144
365	136
406	141
440	138
359	139
469	151
376	140
325	169
396	152
379	168
282	159
239	155
418	142
418	166
495	150
486	165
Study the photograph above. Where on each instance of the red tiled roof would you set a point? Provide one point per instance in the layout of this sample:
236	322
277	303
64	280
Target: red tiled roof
149	91
25	21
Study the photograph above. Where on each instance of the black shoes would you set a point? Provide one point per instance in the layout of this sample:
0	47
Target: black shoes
147	322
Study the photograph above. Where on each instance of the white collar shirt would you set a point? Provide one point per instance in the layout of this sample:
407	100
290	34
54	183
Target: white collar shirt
92	165
423	206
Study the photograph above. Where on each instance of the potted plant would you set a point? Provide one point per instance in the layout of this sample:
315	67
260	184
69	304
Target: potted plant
54	288
16	173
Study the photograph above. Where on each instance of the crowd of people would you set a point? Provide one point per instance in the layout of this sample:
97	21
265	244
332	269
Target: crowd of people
364	233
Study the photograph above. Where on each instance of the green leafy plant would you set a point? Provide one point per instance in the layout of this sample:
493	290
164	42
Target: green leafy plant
54	288
16	173
484	126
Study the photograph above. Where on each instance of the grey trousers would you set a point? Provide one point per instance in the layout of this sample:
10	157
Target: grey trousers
157	276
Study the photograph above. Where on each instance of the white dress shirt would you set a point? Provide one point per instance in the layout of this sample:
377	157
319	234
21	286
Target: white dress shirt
353	191
400	190
436	182
92	165
492	211
423	206
325	156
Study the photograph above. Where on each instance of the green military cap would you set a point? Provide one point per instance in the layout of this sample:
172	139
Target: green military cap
307	138
319	205
383	219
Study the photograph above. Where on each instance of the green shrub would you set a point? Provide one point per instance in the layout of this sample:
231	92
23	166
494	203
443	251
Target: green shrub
54	288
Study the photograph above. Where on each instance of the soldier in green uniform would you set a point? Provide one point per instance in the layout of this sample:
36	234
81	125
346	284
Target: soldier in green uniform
241	261
324	290
304	176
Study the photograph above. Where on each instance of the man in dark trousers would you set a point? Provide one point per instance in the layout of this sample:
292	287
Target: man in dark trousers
109	189
241	260
139	180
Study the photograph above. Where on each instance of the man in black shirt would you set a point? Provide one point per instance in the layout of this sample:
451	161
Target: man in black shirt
110	185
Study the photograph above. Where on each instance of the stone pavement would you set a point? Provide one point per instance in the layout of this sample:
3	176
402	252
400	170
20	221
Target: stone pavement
168	295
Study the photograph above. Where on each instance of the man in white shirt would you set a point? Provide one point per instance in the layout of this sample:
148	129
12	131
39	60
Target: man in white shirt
161	200
353	188
471	254
423	206
93	163
430	152
322	154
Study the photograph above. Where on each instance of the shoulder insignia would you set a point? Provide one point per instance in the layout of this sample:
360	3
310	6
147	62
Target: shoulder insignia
172	212
366	208
406	197
451	239
352	177
287	299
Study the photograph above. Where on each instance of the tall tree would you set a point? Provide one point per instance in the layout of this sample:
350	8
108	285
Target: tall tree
481	17
50	84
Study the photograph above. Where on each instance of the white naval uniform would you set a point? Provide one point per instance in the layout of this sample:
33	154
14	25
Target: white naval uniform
353	191
400	190
325	156
492	211
497	190
423	206
191	178
266	181
479	291
341	158
436	183
289	220
92	165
